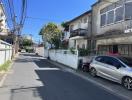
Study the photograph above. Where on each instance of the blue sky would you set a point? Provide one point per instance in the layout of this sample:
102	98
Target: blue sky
52	11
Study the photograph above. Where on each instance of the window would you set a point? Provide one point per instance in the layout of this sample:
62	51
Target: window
119	3
111	61
110	18
110	7
99	59
128	13
103	19
104	10
115	12
126	60
119	14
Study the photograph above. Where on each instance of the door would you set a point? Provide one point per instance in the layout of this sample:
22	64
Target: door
115	48
111	69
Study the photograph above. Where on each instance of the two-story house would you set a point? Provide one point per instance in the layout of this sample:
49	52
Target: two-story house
80	31
3	22
112	26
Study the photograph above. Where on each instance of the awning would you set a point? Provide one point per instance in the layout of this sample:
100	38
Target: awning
118	40
77	37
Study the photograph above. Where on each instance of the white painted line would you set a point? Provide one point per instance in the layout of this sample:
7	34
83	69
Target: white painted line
2	80
48	68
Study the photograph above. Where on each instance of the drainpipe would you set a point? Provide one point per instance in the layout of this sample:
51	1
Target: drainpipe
91	36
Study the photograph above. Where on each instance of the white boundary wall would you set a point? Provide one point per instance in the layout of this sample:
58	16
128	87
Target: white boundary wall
65	57
40	51
5	52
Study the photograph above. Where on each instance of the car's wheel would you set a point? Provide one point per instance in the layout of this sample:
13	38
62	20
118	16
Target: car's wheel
127	83
85	69
93	72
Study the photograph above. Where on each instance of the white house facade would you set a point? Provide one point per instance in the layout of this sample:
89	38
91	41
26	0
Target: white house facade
3	23
80	31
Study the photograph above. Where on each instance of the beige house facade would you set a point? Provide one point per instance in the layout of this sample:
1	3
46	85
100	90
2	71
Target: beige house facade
3	23
112	26
80	31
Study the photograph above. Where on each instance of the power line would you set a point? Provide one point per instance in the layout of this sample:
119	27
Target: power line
12	12
41	19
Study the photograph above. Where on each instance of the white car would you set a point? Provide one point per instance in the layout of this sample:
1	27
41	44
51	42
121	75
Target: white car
115	68
23	51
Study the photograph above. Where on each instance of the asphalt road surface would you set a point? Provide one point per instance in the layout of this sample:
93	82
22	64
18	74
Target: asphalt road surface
34	78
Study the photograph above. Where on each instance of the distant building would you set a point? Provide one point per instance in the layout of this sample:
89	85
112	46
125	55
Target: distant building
4	30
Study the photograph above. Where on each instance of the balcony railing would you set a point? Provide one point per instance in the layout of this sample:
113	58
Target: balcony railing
79	32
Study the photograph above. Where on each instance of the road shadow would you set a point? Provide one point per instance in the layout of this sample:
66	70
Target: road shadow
23	93
30	54
26	60
41	63
60	85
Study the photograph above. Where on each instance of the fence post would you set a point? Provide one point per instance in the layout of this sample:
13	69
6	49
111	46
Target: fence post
5	52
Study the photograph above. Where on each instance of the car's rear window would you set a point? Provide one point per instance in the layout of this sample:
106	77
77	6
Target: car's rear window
126	60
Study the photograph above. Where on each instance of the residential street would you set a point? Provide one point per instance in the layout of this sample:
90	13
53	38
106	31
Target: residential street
34	78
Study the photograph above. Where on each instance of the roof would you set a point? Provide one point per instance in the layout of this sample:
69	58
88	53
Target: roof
87	12
96	3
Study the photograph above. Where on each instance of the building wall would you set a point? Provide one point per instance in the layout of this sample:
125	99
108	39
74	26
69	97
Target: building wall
83	24
117	40
3	23
96	28
40	51
80	43
65	57
5	52
79	23
71	43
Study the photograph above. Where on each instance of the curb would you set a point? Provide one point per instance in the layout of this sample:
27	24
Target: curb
6	73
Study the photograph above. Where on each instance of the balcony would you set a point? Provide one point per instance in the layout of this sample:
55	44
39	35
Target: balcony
79	32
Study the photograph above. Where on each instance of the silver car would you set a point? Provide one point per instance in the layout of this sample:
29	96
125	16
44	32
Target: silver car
115	68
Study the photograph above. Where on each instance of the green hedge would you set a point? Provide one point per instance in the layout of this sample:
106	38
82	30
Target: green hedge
84	52
5	66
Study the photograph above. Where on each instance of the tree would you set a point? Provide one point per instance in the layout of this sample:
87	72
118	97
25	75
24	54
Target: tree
27	42
65	26
51	34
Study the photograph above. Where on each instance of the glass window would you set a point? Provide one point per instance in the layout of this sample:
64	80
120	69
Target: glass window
110	16
119	3
126	60
119	14
128	13
103	10
99	59
103	19
110	7
111	61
